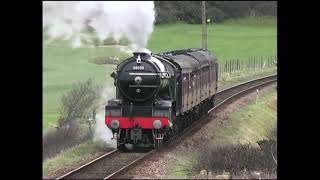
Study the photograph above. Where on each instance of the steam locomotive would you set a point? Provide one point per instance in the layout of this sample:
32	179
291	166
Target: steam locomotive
158	95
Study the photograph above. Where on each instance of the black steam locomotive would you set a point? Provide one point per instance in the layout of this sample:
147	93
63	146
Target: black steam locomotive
158	95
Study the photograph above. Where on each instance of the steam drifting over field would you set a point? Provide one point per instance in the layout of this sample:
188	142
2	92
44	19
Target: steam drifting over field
132	19
68	20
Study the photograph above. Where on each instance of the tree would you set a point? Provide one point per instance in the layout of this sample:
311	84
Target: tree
79	102
190	11
167	11
266	8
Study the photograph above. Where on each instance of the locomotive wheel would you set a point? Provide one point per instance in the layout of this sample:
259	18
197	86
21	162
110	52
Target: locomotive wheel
175	129
122	147
158	139
158	143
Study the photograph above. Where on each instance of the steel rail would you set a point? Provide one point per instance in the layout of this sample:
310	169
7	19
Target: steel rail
92	161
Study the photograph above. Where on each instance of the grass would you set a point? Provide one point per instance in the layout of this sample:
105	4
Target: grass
180	168
249	124
226	80
63	65
241	39
74	155
254	21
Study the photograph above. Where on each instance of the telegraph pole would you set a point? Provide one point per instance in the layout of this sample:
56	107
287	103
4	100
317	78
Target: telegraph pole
204	26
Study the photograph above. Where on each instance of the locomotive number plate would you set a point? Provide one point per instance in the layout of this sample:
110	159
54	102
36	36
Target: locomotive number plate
138	67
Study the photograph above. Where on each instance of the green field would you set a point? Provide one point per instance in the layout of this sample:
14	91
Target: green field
63	65
234	39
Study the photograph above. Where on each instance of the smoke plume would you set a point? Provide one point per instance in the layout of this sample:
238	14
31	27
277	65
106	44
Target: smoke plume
102	132
131	19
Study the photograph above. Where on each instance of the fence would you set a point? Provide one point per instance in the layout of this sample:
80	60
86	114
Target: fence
234	65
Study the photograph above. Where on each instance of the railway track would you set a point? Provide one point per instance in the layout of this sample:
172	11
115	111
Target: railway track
104	166
114	163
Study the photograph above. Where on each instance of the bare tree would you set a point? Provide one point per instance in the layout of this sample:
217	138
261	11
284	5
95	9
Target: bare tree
79	102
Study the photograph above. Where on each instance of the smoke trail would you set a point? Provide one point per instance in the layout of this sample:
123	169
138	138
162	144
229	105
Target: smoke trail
102	132
131	19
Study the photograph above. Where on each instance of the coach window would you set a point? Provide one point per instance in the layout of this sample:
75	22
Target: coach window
185	83
192	79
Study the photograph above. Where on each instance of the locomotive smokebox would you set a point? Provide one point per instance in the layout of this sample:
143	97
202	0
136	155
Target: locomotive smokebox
142	76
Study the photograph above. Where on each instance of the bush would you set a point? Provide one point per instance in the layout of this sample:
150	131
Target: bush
167	11
234	9
57	140
106	60
78	103
123	41
91	40
216	14
109	41
238	158
190	11
266	8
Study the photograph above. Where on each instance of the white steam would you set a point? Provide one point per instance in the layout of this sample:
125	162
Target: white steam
101	131
131	19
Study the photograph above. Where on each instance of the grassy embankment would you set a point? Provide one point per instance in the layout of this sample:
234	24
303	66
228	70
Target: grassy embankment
248	125
75	154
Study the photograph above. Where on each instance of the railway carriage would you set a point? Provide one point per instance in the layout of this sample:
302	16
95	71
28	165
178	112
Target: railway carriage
158	95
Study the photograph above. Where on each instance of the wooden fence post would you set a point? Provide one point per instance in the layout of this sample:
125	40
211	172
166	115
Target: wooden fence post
221	69
232	66
242	65
251	63
254	63
225	66
237	64
269	61
260	64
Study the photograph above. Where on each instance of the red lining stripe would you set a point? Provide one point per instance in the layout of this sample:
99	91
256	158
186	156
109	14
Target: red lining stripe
144	122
